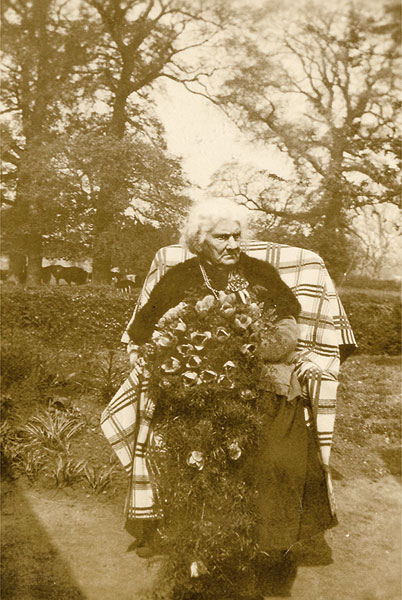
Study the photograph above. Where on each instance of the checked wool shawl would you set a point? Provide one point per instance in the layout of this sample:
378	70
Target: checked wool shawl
323	329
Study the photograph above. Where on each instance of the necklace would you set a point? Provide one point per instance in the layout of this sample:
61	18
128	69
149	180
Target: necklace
236	282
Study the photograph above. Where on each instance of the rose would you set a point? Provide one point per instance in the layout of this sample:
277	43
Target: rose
221	334
162	339
171	365
234	450
248	349
190	377
180	326
205	304
198	568
185	349
199	339
196	459
227	298
243	321
208	376
172	313
228	309
247	394
193	361
229	366
165	383
225	382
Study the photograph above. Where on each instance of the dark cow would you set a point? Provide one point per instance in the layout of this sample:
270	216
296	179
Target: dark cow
68	274
125	285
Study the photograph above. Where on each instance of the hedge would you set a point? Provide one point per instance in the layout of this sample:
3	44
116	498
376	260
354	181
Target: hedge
84	316
375	320
94	317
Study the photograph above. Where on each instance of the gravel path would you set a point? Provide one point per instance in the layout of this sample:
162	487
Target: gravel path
58	547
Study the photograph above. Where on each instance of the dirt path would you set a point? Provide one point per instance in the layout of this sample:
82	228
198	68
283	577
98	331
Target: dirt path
56	547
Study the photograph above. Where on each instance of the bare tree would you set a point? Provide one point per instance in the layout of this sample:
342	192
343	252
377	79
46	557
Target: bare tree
329	100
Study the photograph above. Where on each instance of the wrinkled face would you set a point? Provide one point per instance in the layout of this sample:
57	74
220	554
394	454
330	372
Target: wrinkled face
222	245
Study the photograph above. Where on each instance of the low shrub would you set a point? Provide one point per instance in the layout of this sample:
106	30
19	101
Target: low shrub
375	320
90	318
69	316
365	282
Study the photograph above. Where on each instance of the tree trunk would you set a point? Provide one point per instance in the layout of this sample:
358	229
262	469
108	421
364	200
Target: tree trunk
17	266
102	254
34	267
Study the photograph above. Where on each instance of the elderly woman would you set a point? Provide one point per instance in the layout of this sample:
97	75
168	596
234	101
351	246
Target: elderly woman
291	502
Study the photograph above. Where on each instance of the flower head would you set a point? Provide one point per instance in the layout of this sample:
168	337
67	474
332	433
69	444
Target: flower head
180	325
221	334
161	339
199	339
208	376
243	321
174	312
248	349
228	309
171	365
190	377
193	361
196	459
185	349
205	304
234	450
198	568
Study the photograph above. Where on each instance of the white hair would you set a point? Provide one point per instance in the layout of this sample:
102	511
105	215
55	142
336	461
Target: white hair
205	215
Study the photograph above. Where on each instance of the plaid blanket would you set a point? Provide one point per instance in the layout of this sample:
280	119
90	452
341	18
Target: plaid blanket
323	328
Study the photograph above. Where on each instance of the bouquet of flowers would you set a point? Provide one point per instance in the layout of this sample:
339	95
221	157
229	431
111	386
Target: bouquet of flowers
209	385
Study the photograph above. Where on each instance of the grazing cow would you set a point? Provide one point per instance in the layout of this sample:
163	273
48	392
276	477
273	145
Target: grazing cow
125	285
68	274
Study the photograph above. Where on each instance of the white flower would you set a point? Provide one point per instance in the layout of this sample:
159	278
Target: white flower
234	450
190	377
197	568
229	366
185	349
243	321
180	326
222	334
199	339
248	348
193	361
196	459
208	376
161	339
228	309
171	365
172	313
225	382
205	304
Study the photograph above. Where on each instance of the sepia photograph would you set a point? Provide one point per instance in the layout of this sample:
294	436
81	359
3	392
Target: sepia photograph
201	266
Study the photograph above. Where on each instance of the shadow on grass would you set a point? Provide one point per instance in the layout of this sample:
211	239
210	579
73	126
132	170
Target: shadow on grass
31	567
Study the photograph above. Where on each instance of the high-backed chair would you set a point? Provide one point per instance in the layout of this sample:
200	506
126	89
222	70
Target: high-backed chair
325	338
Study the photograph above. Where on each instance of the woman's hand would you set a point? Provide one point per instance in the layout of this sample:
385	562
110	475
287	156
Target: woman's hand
283	341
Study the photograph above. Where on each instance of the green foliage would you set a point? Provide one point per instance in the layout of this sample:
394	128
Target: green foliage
85	317
98	477
66	470
375	320
364	282
51	430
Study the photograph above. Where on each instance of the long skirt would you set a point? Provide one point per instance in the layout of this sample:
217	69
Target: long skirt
292	501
